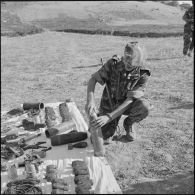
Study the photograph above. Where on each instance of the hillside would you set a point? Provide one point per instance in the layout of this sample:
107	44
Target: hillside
134	18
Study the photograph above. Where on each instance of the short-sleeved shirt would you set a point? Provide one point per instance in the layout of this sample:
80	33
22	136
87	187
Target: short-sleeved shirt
121	83
189	14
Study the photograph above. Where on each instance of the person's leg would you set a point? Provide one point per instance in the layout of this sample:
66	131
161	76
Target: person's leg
186	39
137	111
191	44
109	129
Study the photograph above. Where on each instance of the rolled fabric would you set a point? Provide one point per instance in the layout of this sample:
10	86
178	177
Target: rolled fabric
51	176
81	190
64	112
51	173
78	162
50	117
79	167
61	181
35	106
81	172
59	186
57	191
86	185
62	127
68	138
81	177
83	181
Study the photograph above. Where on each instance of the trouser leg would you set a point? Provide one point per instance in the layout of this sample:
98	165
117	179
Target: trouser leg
137	111
109	129
186	39
186	43
192	42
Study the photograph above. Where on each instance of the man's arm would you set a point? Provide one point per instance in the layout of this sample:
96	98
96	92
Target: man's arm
101	76
120	110
90	106
102	120
91	88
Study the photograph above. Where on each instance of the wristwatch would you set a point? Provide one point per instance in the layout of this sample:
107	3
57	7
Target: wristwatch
109	116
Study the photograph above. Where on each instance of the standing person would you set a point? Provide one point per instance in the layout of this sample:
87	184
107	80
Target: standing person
125	81
189	31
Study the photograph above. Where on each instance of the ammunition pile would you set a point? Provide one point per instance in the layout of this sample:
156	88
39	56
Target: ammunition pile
82	178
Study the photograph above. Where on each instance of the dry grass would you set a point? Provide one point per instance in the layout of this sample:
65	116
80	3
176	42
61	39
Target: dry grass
45	67
127	18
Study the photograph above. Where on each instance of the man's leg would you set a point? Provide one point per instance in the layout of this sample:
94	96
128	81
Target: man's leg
137	111
186	39
191	45
109	129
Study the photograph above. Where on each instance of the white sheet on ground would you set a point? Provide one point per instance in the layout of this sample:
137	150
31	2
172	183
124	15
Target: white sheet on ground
100	171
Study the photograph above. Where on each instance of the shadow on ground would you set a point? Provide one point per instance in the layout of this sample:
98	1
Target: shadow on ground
91	66
183	106
122	138
153	59
178	184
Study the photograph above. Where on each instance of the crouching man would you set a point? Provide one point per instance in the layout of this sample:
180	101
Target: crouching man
125	81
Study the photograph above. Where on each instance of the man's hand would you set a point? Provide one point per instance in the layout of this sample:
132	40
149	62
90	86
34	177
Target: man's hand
90	108
100	121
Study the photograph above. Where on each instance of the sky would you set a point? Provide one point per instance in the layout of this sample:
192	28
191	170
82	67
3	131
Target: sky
189	2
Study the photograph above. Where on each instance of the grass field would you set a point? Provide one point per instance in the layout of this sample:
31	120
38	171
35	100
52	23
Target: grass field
52	66
126	18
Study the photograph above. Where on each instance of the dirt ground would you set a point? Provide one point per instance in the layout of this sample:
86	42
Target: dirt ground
52	67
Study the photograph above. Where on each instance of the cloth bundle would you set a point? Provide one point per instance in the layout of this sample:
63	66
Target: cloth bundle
64	112
59	186
51	173
70	137
50	117
82	177
62	127
30	125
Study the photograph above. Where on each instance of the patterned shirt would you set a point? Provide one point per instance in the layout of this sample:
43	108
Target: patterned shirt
189	15
121	83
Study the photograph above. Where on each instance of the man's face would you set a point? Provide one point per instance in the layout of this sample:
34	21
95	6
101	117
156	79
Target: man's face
127	59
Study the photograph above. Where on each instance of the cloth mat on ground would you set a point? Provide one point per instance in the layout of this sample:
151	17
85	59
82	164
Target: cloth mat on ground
104	181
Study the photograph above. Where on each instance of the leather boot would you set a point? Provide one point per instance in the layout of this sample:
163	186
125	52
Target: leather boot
130	131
